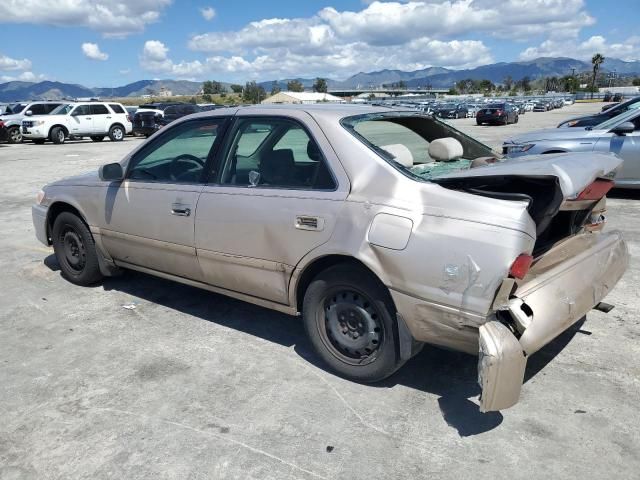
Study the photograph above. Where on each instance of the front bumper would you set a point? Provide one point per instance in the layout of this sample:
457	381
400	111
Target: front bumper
39	217
31	133
560	289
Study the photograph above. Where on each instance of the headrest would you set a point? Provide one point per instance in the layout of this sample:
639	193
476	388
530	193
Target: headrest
400	153
445	149
277	167
313	152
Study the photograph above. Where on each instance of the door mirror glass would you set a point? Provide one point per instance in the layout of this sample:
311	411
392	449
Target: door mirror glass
623	128
28	113
111	172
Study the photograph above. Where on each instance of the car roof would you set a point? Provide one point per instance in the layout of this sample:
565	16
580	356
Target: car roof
325	111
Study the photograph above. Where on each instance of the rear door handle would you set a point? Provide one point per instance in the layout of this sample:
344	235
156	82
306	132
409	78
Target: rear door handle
180	210
309	222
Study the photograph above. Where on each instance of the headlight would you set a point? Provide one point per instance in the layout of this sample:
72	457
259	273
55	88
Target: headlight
520	148
40	196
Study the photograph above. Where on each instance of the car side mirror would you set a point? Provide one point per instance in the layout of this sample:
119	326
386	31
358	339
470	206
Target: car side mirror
28	113
112	172
624	128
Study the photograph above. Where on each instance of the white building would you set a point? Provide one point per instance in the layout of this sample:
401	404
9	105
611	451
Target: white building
302	97
621	90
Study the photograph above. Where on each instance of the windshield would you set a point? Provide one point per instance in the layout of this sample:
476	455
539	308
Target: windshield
404	140
612	122
63	109
16	108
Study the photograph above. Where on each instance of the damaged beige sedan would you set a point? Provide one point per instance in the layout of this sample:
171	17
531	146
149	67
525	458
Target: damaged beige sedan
384	229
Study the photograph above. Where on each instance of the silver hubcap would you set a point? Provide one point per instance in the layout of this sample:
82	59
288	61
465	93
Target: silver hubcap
117	134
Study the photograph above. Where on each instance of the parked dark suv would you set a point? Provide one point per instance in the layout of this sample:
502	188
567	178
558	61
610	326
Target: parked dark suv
497	114
153	116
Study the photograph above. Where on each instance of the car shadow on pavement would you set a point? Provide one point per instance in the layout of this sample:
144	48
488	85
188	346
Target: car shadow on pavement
450	375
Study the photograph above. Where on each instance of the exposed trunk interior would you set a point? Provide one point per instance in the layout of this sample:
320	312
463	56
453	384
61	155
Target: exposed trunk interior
544	196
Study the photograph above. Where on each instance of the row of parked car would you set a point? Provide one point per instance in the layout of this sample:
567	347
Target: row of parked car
615	130
490	111
58	121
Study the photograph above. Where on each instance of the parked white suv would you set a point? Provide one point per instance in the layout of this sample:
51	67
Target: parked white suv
86	119
16	112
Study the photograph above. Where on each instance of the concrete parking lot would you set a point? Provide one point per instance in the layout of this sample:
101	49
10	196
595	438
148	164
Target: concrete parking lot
143	378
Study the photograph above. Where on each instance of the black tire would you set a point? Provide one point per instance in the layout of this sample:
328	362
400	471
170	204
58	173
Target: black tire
117	133
517	119
478	123
15	135
97	138
39	141
350	319
58	136
75	250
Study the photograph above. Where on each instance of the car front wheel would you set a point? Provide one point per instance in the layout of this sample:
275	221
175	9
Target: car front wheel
349	318
75	250
57	136
15	136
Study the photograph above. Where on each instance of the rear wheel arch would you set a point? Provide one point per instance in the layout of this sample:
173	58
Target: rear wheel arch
321	264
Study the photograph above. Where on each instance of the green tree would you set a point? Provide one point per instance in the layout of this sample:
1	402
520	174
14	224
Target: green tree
207	87
596	61
507	82
235	88
253	93
295	86
636	82
486	85
207	98
320	85
275	87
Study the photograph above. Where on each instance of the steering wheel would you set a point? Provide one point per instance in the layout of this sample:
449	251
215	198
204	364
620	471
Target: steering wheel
186	158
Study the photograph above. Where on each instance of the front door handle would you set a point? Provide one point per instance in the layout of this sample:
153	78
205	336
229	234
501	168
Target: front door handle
180	210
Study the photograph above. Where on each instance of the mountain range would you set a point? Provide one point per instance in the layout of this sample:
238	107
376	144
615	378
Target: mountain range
436	77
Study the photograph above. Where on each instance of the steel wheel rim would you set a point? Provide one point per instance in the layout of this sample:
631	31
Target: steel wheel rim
351	326
61	136
73	249
117	133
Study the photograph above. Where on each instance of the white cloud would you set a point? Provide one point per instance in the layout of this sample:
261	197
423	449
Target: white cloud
116	18
208	13
92	51
154	58
23	77
385	34
628	50
8	64
125	71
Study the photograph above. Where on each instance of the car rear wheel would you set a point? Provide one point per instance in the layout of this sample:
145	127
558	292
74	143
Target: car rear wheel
58	136
116	133
75	250
98	138
15	136
349	318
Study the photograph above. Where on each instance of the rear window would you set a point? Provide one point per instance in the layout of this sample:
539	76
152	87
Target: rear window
116	108
404	140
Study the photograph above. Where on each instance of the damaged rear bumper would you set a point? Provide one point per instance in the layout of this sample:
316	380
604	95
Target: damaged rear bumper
560	288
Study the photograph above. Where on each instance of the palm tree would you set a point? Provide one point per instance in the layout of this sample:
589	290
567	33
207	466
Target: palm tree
596	61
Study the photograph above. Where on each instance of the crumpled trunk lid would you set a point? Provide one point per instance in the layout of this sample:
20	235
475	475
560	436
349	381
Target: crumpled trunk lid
574	171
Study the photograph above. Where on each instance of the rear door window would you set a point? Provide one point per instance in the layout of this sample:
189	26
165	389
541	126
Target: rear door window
99	109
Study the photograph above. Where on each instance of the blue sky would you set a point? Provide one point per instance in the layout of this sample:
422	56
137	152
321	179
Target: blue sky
115	42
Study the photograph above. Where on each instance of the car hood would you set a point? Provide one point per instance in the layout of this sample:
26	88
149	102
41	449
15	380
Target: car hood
553	134
84	179
575	171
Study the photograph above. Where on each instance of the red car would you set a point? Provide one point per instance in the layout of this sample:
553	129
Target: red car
4	133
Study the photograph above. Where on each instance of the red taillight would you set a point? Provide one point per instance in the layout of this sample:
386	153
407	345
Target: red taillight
498	112
520	266
129	118
596	190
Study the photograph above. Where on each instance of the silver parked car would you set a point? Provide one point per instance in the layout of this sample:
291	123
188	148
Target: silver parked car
619	135
384	229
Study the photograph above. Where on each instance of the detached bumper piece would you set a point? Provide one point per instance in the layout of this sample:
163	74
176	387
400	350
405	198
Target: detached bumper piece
560	289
